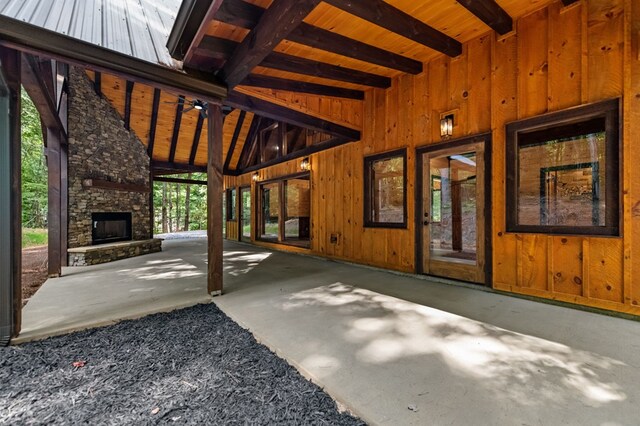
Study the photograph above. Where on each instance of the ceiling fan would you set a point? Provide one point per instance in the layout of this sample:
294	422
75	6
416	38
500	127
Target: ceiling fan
192	104
198	105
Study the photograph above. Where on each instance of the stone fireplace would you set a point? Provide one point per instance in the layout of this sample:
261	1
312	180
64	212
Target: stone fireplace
108	178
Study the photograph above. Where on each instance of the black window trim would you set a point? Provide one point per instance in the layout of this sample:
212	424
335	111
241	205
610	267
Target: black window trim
368	162
610	111
231	209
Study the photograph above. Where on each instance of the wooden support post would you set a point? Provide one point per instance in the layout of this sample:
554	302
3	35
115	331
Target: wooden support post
64	204
152	218
54	208
214	200
10	196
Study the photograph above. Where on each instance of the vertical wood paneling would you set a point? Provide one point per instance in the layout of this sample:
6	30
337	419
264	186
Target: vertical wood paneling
559	57
532	64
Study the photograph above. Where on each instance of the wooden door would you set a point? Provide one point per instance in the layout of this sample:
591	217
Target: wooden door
453	212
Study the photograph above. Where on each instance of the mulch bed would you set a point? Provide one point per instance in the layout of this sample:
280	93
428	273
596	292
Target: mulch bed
34	270
193	366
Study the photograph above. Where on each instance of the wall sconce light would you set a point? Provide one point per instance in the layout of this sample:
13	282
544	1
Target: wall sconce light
255	177
446	126
305	164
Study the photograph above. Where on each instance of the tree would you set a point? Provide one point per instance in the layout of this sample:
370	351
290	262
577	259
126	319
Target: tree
34	168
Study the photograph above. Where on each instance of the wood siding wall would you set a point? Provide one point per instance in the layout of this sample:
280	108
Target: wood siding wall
559	57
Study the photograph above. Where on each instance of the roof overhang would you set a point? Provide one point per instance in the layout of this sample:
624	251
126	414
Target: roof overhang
39	41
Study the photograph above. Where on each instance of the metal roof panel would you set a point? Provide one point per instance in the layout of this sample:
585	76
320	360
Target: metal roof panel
139	28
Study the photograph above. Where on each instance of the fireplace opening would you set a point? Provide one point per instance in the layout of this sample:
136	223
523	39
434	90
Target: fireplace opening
110	227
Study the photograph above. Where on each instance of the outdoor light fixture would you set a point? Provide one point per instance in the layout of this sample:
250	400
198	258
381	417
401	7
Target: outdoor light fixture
255	177
199	105
446	126
305	164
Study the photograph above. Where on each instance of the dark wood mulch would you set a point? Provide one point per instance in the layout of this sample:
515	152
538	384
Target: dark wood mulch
194	366
34	270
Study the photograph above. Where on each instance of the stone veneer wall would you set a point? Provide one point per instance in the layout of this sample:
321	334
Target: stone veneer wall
101	148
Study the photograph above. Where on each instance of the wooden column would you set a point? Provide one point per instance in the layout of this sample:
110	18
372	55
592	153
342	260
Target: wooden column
10	197
214	199
54	214
64	204
151	209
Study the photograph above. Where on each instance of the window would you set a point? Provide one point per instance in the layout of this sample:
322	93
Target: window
231	204
563	172
285	210
385	190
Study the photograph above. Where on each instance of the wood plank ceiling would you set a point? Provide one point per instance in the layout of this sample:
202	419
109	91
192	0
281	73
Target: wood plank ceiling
335	49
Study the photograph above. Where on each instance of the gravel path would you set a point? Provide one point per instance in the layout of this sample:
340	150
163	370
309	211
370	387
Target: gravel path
194	366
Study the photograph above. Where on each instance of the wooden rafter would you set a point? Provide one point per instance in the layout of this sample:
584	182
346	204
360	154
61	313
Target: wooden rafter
181	181
490	12
234	139
389	17
274	26
220	48
280	113
267	82
176	128
127	105
163	166
190	26
97	83
154	122
196	139
39	91
251	136
247	15
568	2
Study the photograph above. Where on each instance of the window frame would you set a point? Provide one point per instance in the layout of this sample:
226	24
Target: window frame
258	210
231	206
545	127
368	195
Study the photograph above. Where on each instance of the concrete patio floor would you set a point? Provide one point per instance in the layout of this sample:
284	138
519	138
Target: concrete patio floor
394	349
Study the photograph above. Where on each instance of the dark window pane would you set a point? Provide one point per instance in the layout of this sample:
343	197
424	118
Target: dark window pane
231	204
387	190
296	138
297	210
270	203
270	142
562	182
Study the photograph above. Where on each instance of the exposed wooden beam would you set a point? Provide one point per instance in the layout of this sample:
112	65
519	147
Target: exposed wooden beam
247	15
190	26
214	200
114	186
569	2
322	146
40	41
182	181
219	48
154	122
389	17
97	83
41	95
490	12
267	82
196	139
274	26
127	105
253	128
280	113
159	166
234	140
176	129
54	180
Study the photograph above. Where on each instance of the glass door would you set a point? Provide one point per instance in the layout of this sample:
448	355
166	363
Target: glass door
453	222
245	214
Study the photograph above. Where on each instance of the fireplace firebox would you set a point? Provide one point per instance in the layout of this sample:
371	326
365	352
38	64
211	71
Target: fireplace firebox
110	227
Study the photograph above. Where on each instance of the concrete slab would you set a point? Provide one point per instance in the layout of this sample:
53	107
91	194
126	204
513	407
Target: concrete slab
99	295
402	350
394	349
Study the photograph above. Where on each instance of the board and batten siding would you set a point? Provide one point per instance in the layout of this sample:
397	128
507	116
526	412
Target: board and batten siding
558	57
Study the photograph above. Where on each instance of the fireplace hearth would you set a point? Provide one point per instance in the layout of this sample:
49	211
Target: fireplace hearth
110	227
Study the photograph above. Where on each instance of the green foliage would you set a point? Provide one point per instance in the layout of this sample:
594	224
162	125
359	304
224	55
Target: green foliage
34	237
34	168
197	204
